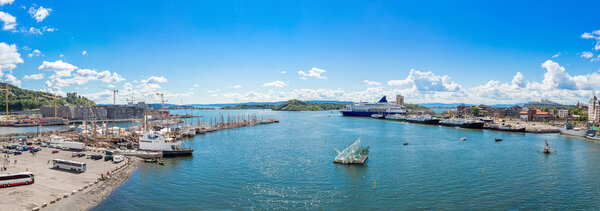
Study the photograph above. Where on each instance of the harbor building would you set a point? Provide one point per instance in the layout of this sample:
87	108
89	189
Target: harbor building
563	113
399	100
101	112
594	110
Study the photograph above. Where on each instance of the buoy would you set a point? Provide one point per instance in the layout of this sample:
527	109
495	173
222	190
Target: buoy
374	184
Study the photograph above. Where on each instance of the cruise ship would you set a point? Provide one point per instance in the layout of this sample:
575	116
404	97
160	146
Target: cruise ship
382	107
152	141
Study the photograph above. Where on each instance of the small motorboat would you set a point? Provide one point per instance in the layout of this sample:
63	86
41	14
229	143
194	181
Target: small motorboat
405	143
463	138
150	160
498	139
161	162
378	116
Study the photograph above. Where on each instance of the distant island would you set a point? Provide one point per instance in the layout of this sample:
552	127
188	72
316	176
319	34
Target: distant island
23	99
290	105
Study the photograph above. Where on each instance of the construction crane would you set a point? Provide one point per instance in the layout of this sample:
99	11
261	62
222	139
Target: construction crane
162	100
6	89
53	97
115	91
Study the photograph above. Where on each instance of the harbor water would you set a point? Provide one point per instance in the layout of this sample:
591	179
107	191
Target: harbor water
290	165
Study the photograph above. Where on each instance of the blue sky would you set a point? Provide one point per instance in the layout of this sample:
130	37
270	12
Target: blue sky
241	51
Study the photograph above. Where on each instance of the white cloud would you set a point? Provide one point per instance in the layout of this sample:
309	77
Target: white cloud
275	84
10	22
587	35
236	87
33	30
214	91
196	85
9	57
84	53
154	80
593	35
518	80
40	13
61	55
106	77
3	2
556	55
60	68
314	72
35	52
426	81
587	55
372	83
283	72
9	78
34	77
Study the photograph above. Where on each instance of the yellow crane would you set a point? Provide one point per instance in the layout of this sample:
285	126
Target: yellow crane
6	89
162	100
115	91
53	97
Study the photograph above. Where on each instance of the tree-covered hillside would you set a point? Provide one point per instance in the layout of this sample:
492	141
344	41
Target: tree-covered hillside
297	105
23	99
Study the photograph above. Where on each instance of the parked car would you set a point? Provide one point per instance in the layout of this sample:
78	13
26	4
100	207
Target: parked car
43	145
13	146
29	143
10	152
108	152
96	157
80	154
4	150
24	148
55	151
35	149
17	153
108	157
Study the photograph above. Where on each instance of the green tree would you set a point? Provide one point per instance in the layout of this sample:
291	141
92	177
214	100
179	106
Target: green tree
545	109
474	111
555	111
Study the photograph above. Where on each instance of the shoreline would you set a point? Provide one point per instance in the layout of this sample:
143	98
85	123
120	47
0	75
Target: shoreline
93	194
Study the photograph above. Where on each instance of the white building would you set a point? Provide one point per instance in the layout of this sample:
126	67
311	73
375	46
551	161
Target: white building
563	113
594	110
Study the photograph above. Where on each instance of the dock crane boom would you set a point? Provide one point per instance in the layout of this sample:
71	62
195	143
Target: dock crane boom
53	97
162	100
115	91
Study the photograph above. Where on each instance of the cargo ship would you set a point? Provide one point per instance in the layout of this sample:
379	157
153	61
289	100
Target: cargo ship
424	119
463	123
382	107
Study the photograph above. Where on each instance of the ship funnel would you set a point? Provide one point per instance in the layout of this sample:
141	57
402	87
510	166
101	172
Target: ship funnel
383	100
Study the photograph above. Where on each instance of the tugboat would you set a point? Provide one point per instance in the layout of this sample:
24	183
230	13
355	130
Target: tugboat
152	141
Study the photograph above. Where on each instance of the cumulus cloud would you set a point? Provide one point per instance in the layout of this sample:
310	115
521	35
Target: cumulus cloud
9	57
372	83
275	84
426	81
34	77
10	22
3	2
84	53
35	52
196	85
283	72
314	73
154	80
586	54
39	13
236	87
518	80
60	68
9	78
593	35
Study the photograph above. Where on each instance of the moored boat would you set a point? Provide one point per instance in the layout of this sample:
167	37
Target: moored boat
463	123
570	130
377	116
151	141
396	117
424	119
382	107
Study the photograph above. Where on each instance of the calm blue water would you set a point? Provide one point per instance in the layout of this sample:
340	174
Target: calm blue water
289	165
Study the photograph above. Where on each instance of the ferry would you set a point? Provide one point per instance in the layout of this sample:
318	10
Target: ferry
463	123
151	141
424	119
382	107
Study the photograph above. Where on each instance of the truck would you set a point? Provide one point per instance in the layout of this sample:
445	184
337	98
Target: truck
77	146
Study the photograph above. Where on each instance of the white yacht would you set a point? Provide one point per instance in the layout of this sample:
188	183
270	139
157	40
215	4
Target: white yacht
151	141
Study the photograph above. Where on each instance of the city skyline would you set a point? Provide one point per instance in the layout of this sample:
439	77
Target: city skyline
266	51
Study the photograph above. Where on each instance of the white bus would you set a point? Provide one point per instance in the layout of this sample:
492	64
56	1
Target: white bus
69	165
14	179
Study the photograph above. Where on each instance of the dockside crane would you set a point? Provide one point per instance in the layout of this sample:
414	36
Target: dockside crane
162	100
7	90
53	97
115	91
